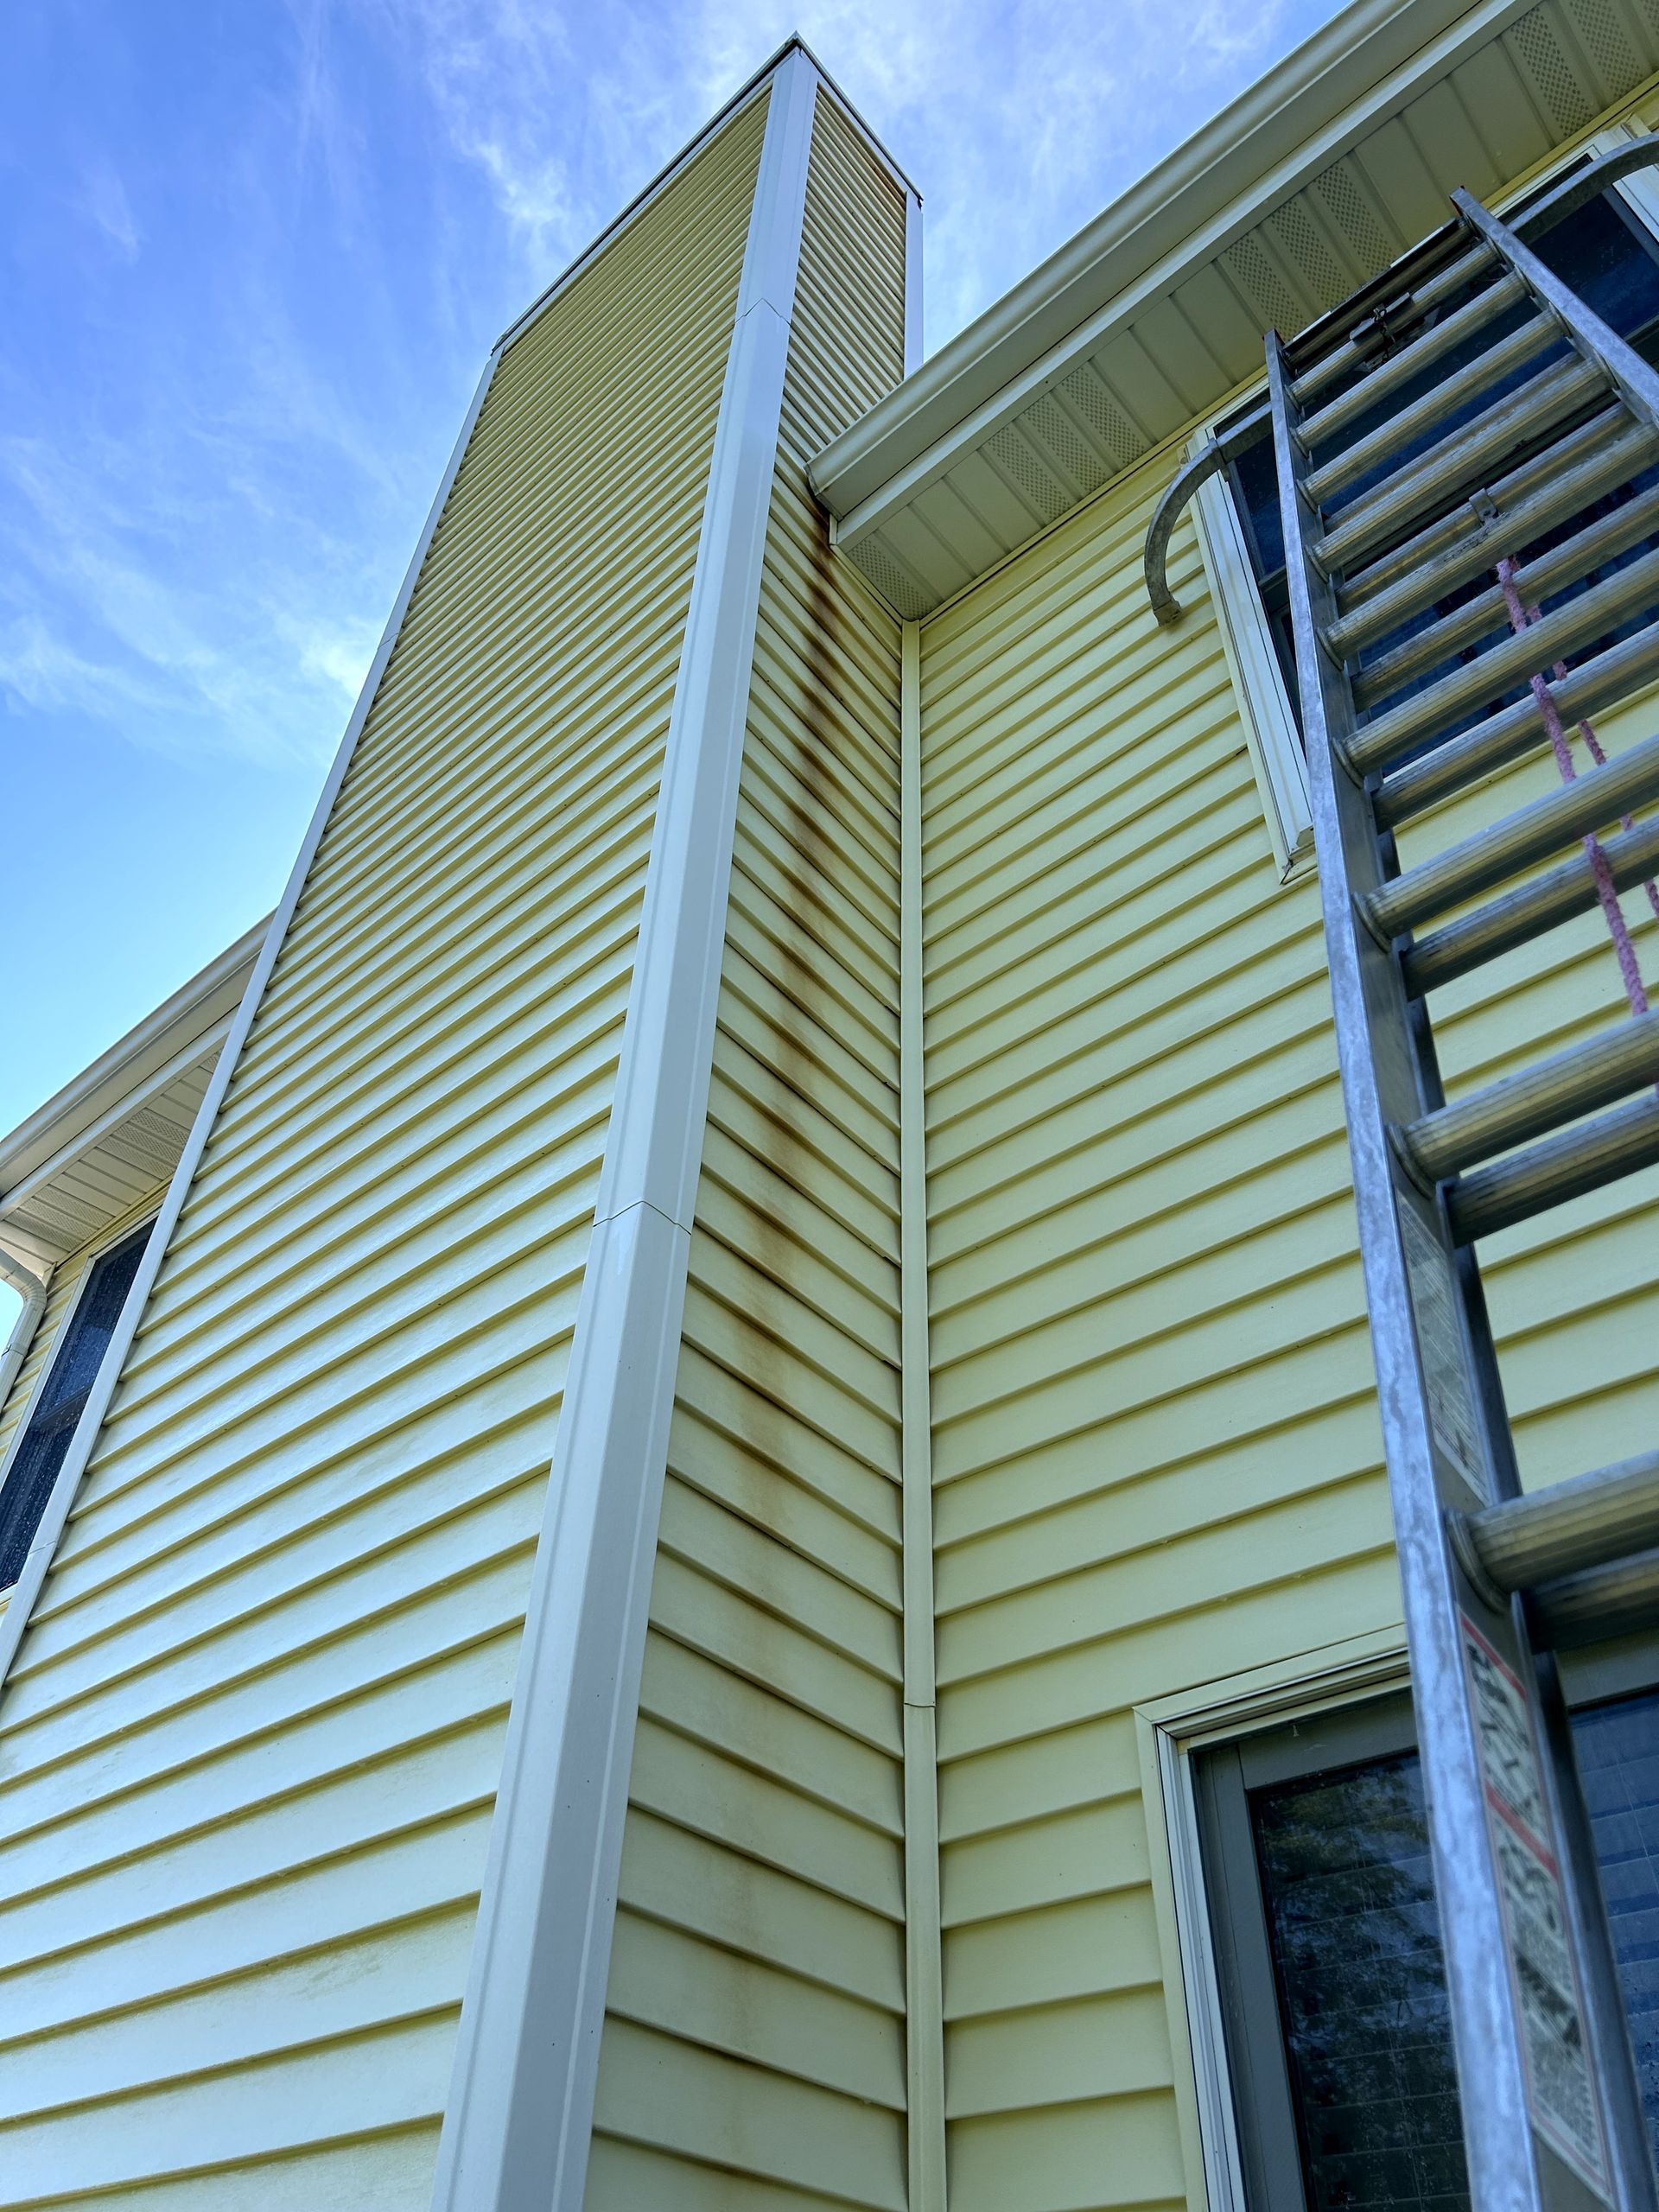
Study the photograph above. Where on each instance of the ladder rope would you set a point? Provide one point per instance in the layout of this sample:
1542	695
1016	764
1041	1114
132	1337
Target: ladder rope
1521	618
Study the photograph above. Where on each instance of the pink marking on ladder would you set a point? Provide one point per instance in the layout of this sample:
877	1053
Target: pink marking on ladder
1522	618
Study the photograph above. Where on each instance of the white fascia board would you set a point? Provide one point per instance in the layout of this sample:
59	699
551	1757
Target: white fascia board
83	1147
38	1563
192	1013
1289	127
519	2115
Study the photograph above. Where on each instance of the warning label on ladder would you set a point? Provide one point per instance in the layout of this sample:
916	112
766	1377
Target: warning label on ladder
1560	2087
1440	1343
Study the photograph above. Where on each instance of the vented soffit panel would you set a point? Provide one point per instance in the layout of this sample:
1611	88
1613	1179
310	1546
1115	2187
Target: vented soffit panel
1330	167
85	1158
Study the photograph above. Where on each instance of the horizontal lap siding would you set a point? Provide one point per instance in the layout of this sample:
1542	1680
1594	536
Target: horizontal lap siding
1156	1453
754	2055
252	1739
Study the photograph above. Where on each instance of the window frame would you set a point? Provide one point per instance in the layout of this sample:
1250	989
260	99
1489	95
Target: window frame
1359	1701
1263	703
90	1255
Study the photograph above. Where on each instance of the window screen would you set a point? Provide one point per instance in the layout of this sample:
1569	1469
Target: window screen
61	1399
1612	260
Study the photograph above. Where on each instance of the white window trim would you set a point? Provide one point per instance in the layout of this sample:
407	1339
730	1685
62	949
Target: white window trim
88	1257
1168	1732
1263	703
1275	747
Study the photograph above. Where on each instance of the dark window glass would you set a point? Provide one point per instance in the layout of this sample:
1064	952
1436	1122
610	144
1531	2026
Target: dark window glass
1618	1759
1349	1901
61	1400
1344	1863
1611	261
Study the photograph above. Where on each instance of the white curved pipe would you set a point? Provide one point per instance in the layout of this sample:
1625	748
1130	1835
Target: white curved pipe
34	1288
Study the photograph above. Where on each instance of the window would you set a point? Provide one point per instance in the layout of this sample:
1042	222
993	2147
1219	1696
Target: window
1323	1916
1610	254
61	1398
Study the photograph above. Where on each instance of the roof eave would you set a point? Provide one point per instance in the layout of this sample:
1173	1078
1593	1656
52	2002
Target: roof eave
190	1013
1230	166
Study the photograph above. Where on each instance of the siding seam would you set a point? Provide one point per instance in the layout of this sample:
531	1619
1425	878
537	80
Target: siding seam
519	2120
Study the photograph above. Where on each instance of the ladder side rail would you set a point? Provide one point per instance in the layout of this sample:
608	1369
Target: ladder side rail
1613	2059
1385	1083
1636	383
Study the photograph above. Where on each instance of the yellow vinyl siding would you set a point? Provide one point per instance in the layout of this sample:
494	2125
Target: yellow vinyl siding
1155	1447
253	1735
755	2047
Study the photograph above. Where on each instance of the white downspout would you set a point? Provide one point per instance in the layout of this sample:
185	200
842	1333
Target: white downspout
34	1288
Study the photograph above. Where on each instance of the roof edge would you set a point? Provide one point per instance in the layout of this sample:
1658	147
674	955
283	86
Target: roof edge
1290	107
191	1010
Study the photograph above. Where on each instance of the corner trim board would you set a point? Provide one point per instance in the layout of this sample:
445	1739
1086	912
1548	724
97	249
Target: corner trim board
519	2119
38	1563
924	1961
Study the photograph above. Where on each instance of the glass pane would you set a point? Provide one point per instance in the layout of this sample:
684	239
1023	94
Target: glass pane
1618	1758
1362	1989
1344	1871
62	1399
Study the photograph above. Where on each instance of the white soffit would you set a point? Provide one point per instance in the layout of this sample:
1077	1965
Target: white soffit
1327	170
115	1134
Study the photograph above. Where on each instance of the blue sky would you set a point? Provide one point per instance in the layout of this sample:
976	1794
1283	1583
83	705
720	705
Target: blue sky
254	253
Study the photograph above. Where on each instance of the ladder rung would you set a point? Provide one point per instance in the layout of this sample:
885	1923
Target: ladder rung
1518	729
1451	393
1459	459
1582	463
1566	629
1535	1100
1591	1520
1561	1168
1411	360
1602	1603
1520	915
1601	540
1476	258
1531	833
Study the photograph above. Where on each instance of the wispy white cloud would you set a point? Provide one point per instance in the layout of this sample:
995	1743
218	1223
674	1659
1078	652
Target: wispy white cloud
103	198
118	605
205	546
1017	124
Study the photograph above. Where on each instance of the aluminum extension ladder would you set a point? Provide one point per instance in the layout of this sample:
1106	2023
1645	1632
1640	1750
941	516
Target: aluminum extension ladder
1389	512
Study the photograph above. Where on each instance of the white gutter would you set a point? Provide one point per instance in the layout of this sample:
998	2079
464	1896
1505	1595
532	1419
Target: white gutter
191	1012
1287	119
34	1288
